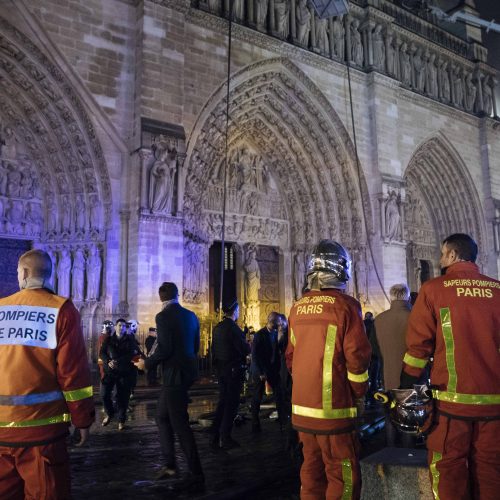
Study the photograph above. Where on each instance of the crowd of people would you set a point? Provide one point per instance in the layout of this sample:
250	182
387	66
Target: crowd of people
323	364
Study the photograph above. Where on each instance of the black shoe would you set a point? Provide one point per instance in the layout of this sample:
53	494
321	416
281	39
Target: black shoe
228	443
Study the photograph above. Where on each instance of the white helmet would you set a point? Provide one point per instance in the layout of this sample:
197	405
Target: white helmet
133	325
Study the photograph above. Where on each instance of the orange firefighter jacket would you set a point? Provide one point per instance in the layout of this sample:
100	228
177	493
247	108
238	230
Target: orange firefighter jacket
328	356
45	380
456	319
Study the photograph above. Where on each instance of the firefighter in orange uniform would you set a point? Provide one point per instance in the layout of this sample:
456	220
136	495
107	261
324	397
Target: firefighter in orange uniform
328	356
456	319
45	384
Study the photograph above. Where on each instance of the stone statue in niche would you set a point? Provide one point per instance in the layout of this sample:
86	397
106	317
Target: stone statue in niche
390	59
162	177
252	276
458	88
303	17
392	218
194	276
66	214
214	6
239	10
32	220
51	218
27	189
338	37
94	268
405	65
487	96
470	93
419	67
378	48
95	212
14	217
322	43
4	172
8	146
356	44
445	89
13	182
78	275
281	16
261	13
63	272
299	273
431	81
79	213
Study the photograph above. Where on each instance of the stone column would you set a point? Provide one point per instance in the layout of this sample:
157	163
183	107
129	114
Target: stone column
145	155
124	223
347	29
272	20
330	39
293	20
313	26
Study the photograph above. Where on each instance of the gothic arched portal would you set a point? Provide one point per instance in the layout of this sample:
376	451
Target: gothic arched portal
53	175
292	176
441	200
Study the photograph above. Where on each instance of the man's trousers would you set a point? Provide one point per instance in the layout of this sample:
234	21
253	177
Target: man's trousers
230	383
172	418
35	473
464	459
331	466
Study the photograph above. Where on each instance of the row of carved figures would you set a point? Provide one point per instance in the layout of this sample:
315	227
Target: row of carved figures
367	45
77	272
20	217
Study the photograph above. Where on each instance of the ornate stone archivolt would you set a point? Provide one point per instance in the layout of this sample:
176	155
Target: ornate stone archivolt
56	177
441	200
284	137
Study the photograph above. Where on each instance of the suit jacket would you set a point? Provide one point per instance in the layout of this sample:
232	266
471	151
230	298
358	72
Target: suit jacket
265	354
178	333
390	333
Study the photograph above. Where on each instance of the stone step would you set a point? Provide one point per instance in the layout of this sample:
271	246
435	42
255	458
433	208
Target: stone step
396	474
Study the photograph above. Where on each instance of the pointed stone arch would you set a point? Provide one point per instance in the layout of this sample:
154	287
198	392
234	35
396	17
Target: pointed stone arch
441	200
47	136
277	111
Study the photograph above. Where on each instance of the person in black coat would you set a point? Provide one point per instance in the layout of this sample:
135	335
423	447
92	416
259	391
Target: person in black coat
265	367
117	353
178	342
229	352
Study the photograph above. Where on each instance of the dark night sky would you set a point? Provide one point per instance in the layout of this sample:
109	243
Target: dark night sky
490	9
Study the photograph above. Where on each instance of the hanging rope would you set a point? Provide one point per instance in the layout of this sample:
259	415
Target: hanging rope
358	170
226	159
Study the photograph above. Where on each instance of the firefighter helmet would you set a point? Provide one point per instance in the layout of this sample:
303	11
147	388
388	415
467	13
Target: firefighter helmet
411	410
133	325
329	265
107	327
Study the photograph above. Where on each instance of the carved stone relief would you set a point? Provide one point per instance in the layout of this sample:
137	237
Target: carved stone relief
392	212
251	287
195	271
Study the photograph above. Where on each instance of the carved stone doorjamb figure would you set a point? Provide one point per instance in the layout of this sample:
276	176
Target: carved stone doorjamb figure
63	273
251	287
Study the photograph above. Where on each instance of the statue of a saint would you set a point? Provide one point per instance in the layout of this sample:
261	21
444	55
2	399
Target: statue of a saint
252	277
487	96
338	37
445	89
378	48
470	93
94	267
431	82
420	70
322	43
392	217
261	14
299	273
13	182
161	180
78	275
303	17
239	10
63	270
405	65
356	44
281	15
79	213
458	88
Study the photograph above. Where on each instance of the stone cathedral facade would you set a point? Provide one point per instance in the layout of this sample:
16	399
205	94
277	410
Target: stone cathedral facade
113	147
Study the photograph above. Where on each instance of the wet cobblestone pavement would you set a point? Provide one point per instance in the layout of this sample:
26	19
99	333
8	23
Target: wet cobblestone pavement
121	465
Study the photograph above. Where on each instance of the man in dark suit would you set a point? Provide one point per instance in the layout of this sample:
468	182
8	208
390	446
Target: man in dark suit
265	367
178	333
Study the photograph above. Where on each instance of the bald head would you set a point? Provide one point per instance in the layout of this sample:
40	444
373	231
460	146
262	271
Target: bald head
34	264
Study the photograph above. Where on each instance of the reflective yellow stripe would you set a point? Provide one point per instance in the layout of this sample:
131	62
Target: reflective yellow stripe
415	362
292	337
362	377
304	411
77	394
436	457
449	343
347	479
467	399
65	417
331	335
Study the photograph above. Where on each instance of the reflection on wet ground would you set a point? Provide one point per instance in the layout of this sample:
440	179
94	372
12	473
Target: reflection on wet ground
122	465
